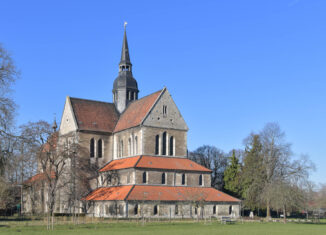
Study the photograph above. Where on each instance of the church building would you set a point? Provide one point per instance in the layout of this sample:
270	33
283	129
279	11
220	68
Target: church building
140	147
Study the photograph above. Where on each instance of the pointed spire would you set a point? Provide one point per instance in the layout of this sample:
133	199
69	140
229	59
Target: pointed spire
54	125
125	58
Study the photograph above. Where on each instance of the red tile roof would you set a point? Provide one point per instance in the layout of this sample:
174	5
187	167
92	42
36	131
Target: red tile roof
136	112
168	163
159	193
170	193
120	164
109	194
94	115
37	177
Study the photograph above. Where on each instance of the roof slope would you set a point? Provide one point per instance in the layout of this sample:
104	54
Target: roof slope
136	112
94	115
109	193
159	193
120	164
168	163
172	193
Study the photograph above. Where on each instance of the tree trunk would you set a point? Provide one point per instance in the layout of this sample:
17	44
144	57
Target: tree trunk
284	214
268	211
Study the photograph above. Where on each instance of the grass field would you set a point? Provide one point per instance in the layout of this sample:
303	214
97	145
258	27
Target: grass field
166	228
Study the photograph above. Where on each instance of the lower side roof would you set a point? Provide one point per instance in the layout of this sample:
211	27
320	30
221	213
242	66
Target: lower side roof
159	193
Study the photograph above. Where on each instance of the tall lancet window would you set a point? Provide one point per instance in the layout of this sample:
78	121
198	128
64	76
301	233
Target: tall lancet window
164	143
99	148
136	145
171	146
91	148
129	147
157	142
121	149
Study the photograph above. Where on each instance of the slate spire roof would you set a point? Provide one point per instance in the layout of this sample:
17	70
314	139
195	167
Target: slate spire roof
125	58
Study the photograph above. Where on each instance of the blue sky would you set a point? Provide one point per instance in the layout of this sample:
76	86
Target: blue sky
231	66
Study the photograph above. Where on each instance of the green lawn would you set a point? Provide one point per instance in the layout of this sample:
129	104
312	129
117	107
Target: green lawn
166	228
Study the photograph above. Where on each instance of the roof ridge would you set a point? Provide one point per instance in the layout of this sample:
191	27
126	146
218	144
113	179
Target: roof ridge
98	101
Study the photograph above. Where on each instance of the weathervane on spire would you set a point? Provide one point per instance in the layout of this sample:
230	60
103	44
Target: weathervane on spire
125	24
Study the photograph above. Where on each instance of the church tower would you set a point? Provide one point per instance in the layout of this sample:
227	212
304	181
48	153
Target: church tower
125	88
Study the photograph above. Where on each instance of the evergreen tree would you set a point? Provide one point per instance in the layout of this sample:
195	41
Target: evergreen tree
231	176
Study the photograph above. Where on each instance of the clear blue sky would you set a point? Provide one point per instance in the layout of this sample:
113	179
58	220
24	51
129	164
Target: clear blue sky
231	66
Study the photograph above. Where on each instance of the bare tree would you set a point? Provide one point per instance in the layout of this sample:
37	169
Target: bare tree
211	158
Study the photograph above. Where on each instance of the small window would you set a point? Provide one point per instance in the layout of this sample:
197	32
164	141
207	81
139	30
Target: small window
91	148
163	178
99	148
214	210
136	209
144	177
183	180
200	179
165	110
171	146
176	210
196	211
155	210
164	143
230	210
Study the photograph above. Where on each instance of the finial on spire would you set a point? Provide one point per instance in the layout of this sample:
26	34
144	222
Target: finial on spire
54	125
125	24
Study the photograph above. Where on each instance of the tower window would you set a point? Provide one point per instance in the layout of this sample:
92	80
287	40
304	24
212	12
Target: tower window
163	178
99	148
200	180
165	110
91	147
171	146
164	143
183	179
157	141
144	177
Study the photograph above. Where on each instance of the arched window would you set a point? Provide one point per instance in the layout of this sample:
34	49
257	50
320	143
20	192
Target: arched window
91	148
129	147
214	210
121	148
176	210
183	180
163	178
144	177
195	210
230	210
171	146
200	180
164	143
136	209
99	148
157	142
136	145
155	209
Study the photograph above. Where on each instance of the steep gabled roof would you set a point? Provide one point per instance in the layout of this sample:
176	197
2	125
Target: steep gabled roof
159	193
94	115
136	112
167	163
